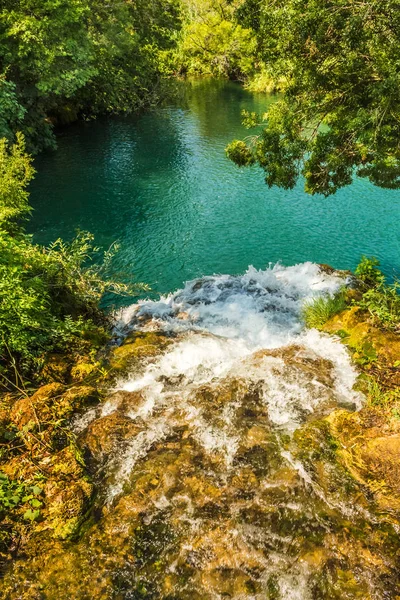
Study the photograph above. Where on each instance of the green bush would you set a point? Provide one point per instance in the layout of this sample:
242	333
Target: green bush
317	312
383	303
367	271
380	299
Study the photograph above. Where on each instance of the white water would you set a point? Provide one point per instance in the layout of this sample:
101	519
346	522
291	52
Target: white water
224	319
232	329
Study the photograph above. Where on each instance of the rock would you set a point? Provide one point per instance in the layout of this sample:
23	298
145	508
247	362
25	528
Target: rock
124	401
105	434
138	346
301	360
38	408
51	402
381	457
363	337
57	368
82	370
67	494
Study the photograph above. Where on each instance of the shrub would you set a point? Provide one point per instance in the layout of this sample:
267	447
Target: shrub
380	299
367	271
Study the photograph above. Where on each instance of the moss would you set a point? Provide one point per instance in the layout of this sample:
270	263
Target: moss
138	346
82	370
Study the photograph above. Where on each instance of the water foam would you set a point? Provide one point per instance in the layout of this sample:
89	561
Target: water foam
234	340
223	319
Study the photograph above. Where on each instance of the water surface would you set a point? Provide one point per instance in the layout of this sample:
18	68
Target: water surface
161	185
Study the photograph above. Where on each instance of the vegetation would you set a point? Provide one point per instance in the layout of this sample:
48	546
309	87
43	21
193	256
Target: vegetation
367	319
317	312
374	296
380	299
214	43
50	296
61	59
338	65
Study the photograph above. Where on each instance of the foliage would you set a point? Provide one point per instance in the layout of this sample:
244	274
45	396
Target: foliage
383	303
317	312
380	299
367	271
214	43
62	58
49	296
340	114
263	82
14	494
16	172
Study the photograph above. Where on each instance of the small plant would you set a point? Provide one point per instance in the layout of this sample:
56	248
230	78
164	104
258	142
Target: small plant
383	303
317	312
380	299
368	271
15	494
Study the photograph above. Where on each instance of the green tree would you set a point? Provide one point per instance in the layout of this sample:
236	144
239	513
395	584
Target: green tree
61	58
214	43
49	297
338	63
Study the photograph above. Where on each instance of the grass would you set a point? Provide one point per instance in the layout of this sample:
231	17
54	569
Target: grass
319	310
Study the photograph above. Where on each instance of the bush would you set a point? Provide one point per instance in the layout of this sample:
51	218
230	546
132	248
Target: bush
367	271
380	299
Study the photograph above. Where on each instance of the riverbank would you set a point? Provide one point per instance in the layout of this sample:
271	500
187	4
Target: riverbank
72	438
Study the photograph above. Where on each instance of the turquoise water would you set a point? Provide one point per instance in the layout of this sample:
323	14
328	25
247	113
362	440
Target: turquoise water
161	186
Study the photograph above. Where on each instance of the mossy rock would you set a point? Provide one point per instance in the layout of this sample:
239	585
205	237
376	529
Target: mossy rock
56	369
362	336
369	449
67	494
138	346
38	408
105	434
82	370
51	403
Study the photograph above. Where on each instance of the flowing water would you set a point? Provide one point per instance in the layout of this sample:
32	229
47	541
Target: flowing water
217	472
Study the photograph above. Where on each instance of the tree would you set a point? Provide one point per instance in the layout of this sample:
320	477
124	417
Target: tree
214	43
61	58
339	61
49	297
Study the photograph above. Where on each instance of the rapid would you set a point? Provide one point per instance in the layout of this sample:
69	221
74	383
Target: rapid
223	484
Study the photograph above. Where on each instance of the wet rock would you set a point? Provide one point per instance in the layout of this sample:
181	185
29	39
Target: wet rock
124	401
301	360
138	346
105	434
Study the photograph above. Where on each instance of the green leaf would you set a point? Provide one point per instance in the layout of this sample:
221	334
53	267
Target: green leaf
31	515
